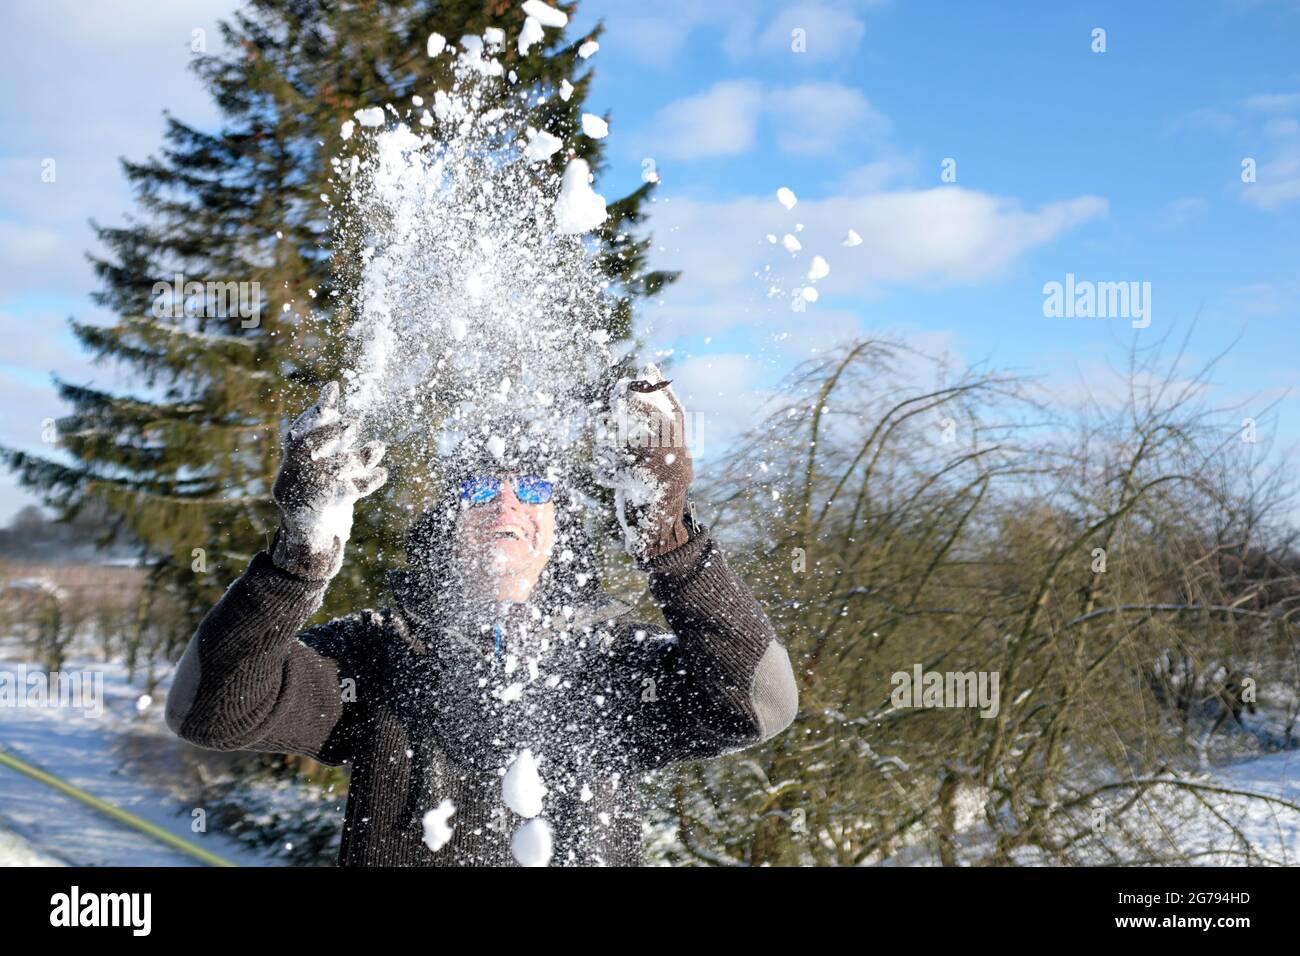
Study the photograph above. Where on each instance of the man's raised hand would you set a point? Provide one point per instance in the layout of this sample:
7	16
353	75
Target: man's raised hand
648	466
321	477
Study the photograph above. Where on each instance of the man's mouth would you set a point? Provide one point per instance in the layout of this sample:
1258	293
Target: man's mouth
510	534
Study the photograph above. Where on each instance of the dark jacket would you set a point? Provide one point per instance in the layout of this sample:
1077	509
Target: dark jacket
423	712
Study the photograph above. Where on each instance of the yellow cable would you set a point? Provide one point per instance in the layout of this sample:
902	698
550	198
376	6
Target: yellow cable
117	813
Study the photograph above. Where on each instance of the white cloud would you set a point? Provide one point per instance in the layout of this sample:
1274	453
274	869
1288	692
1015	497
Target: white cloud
1277	176
140	50
1078	383
916	236
1277	181
657	36
52	108
829	32
101	96
722	391
654	41
1273	102
1269	136
807	119
942	234
730	393
721	121
816	118
874	176
38	259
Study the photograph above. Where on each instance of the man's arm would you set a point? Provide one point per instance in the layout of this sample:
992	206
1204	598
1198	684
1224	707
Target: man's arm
248	678
722	681
250	681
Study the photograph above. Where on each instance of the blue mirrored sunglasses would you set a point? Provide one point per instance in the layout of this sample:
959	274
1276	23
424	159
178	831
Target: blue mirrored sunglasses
529	489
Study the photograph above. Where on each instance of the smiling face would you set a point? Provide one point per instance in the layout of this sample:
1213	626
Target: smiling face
504	543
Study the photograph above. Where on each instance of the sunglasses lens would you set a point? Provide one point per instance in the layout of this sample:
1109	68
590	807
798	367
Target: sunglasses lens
478	491
532	490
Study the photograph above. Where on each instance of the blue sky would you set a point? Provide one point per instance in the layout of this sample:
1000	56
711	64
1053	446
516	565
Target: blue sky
1116	166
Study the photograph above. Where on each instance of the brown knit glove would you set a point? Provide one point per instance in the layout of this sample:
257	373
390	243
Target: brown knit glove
320	479
648	464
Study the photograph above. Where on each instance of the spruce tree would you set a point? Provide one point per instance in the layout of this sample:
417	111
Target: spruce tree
184	459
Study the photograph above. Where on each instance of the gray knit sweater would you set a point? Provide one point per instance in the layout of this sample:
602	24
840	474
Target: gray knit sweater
423	711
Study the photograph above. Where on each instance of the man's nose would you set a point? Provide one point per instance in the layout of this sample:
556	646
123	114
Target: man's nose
508	504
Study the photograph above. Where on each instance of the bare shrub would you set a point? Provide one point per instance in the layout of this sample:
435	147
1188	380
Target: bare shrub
1125	572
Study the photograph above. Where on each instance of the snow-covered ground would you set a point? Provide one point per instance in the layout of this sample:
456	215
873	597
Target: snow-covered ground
1240	813
125	755
17	851
1271	828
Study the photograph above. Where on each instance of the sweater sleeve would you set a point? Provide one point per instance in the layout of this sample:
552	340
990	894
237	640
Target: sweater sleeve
722	680
252	679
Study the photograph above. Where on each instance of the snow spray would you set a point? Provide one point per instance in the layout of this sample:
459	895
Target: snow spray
477	298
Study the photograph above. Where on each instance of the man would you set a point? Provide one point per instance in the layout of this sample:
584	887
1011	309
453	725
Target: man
505	708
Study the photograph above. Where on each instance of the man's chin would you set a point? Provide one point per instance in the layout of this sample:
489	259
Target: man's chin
511	563
509	583
501	566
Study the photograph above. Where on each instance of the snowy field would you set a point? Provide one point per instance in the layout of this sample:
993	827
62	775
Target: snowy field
1275	829
125	756
17	851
